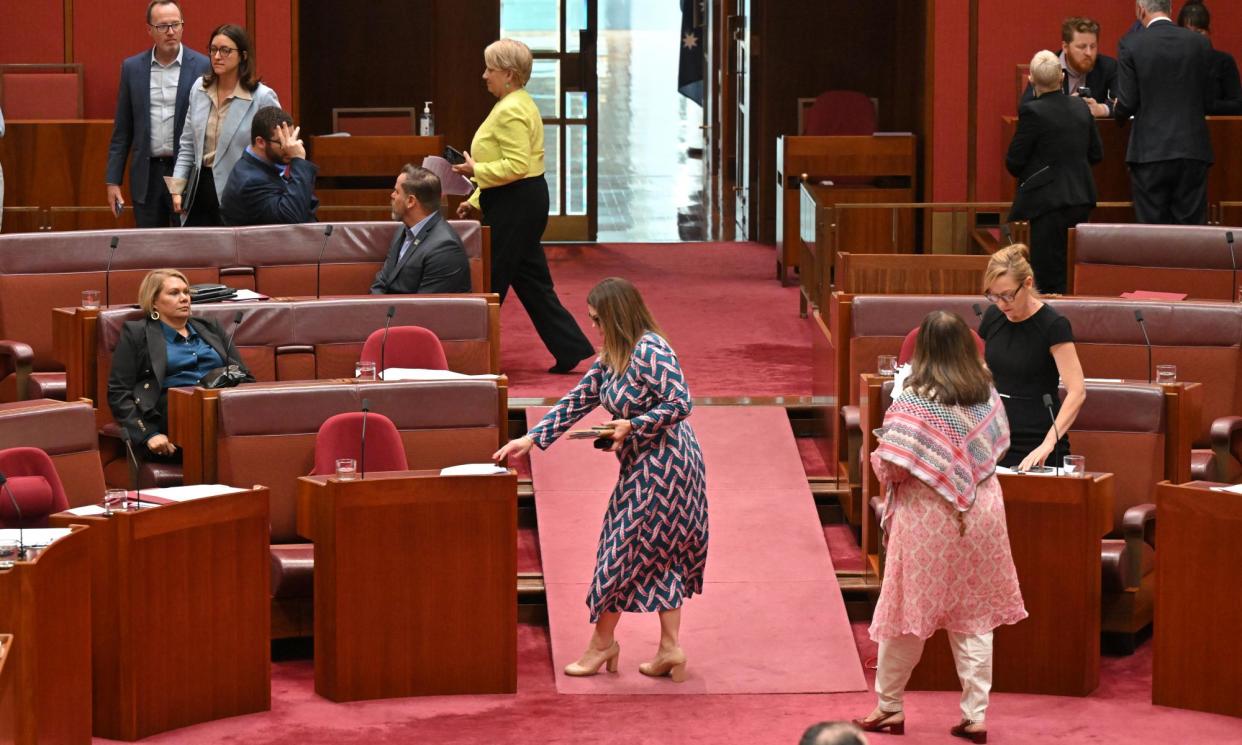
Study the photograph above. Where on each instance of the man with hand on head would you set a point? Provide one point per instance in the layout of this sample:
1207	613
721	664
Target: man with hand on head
150	111
273	183
1085	67
426	254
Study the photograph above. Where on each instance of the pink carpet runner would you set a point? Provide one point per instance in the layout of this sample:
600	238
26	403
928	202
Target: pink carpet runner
770	619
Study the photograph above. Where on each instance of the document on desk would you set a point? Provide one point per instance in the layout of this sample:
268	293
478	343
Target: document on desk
1045	471
451	182
35	536
474	469
419	373
1235	489
191	492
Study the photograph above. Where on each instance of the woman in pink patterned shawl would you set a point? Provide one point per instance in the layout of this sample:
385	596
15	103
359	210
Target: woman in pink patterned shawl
948	563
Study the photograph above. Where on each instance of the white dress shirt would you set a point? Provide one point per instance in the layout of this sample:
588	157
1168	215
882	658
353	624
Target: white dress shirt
163	106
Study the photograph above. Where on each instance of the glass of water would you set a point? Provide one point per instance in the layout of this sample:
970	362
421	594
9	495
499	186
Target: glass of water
10	551
1075	465
365	371
346	469
1166	373
113	498
886	365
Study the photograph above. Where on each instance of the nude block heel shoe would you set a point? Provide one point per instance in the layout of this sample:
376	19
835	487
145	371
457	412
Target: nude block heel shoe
673	667
583	668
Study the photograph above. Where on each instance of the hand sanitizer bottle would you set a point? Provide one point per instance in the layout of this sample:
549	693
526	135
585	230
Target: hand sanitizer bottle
426	122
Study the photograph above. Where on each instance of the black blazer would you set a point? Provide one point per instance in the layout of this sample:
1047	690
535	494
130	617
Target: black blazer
1226	86
1051	154
436	262
1102	80
136	392
257	195
1164	82
131	127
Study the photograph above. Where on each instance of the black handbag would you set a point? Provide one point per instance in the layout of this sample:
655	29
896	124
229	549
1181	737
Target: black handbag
211	293
223	377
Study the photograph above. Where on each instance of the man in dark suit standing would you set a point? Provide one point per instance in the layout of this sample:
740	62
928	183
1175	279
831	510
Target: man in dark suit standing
1051	154
273	183
1085	67
1164	82
150	109
426	254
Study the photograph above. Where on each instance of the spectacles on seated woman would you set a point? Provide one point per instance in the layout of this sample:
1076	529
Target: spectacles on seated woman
1008	297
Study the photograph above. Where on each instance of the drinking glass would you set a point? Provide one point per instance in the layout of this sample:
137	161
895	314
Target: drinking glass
1166	373
365	371
114	498
90	299
10	551
1075	465
886	364
346	469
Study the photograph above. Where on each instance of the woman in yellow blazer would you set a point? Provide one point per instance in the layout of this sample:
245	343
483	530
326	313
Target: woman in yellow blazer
507	166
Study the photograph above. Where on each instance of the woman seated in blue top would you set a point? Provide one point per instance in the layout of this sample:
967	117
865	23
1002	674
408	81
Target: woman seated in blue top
167	349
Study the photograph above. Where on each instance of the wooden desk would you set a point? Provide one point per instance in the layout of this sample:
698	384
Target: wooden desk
57	162
45	603
385	625
180	613
8	693
378	156
1197	648
876	168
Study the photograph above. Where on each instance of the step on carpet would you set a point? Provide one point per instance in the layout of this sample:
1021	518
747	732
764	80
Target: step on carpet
770	619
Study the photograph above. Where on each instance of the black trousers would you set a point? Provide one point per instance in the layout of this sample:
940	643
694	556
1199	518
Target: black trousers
1170	192
154	209
205	212
1049	236
517	214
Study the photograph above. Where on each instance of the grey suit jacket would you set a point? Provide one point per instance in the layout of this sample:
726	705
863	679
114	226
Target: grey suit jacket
435	262
131	128
234	136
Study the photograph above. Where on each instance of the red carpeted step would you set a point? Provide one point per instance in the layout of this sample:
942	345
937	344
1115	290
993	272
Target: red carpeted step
845	552
528	549
812	457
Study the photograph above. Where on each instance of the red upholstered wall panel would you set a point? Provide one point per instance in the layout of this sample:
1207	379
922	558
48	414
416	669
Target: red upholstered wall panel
949	65
273	38
32	31
104	35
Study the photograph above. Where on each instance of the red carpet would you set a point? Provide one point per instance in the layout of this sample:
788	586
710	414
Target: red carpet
735	329
770	619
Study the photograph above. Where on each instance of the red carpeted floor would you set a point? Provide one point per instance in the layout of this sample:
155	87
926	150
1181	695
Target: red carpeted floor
771	618
735	329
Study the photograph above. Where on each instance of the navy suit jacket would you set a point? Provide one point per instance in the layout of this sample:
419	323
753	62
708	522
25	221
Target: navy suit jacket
131	128
257	195
435	262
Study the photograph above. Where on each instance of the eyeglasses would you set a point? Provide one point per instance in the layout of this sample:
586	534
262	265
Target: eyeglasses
164	28
222	51
1006	296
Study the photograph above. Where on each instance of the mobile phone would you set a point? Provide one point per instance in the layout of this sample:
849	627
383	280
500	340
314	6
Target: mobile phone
453	155
117	208
1084	91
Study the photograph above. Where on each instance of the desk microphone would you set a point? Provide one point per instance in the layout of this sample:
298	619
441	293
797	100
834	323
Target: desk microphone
1233	261
362	454
228	341
107	271
978	309
1056	446
133	459
327	233
21	536
1138	316
392	311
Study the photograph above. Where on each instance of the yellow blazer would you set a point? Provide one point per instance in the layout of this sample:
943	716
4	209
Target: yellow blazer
508	145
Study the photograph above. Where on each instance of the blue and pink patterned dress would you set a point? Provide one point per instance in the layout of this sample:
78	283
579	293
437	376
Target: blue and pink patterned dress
653	546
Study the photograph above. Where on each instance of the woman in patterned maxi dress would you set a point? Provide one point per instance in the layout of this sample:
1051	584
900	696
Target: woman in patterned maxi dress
948	563
653	546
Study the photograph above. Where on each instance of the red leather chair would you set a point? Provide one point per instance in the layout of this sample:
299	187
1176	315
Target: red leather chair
839	113
41	91
340	436
408	346
33	482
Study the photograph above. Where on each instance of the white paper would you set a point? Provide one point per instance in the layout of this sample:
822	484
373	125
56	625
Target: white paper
451	182
473	469
1235	489
244	294
193	491
89	510
418	373
35	536
1104	380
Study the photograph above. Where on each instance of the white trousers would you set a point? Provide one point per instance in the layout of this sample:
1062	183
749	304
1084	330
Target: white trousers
972	654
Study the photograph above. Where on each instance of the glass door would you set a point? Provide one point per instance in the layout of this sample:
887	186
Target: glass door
561	34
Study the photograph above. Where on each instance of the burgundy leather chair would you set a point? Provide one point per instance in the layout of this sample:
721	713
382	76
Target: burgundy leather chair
32	481
837	113
341	437
408	346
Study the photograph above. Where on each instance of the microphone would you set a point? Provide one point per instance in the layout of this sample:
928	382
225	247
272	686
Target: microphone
978	309
392	311
21	536
362	454
1233	261
228	341
327	233
108	271
1057	446
1138	316
133	459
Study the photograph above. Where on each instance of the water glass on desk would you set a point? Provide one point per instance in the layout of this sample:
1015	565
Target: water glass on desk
10	551
1166	373
365	371
886	365
346	469
1075	465
113	498
90	299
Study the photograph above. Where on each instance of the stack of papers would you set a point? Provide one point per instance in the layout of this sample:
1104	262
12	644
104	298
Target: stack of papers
419	373
36	537
474	469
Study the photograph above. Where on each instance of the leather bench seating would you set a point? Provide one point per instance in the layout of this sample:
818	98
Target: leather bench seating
42	271
1109	259
66	432
1204	340
266	435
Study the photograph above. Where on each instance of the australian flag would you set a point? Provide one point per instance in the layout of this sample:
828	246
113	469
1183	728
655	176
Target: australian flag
690	66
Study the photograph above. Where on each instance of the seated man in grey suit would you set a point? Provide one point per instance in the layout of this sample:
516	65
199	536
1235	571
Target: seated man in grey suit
426	255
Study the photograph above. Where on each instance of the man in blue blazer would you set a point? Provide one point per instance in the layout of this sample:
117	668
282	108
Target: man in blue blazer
150	109
426	254
273	183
